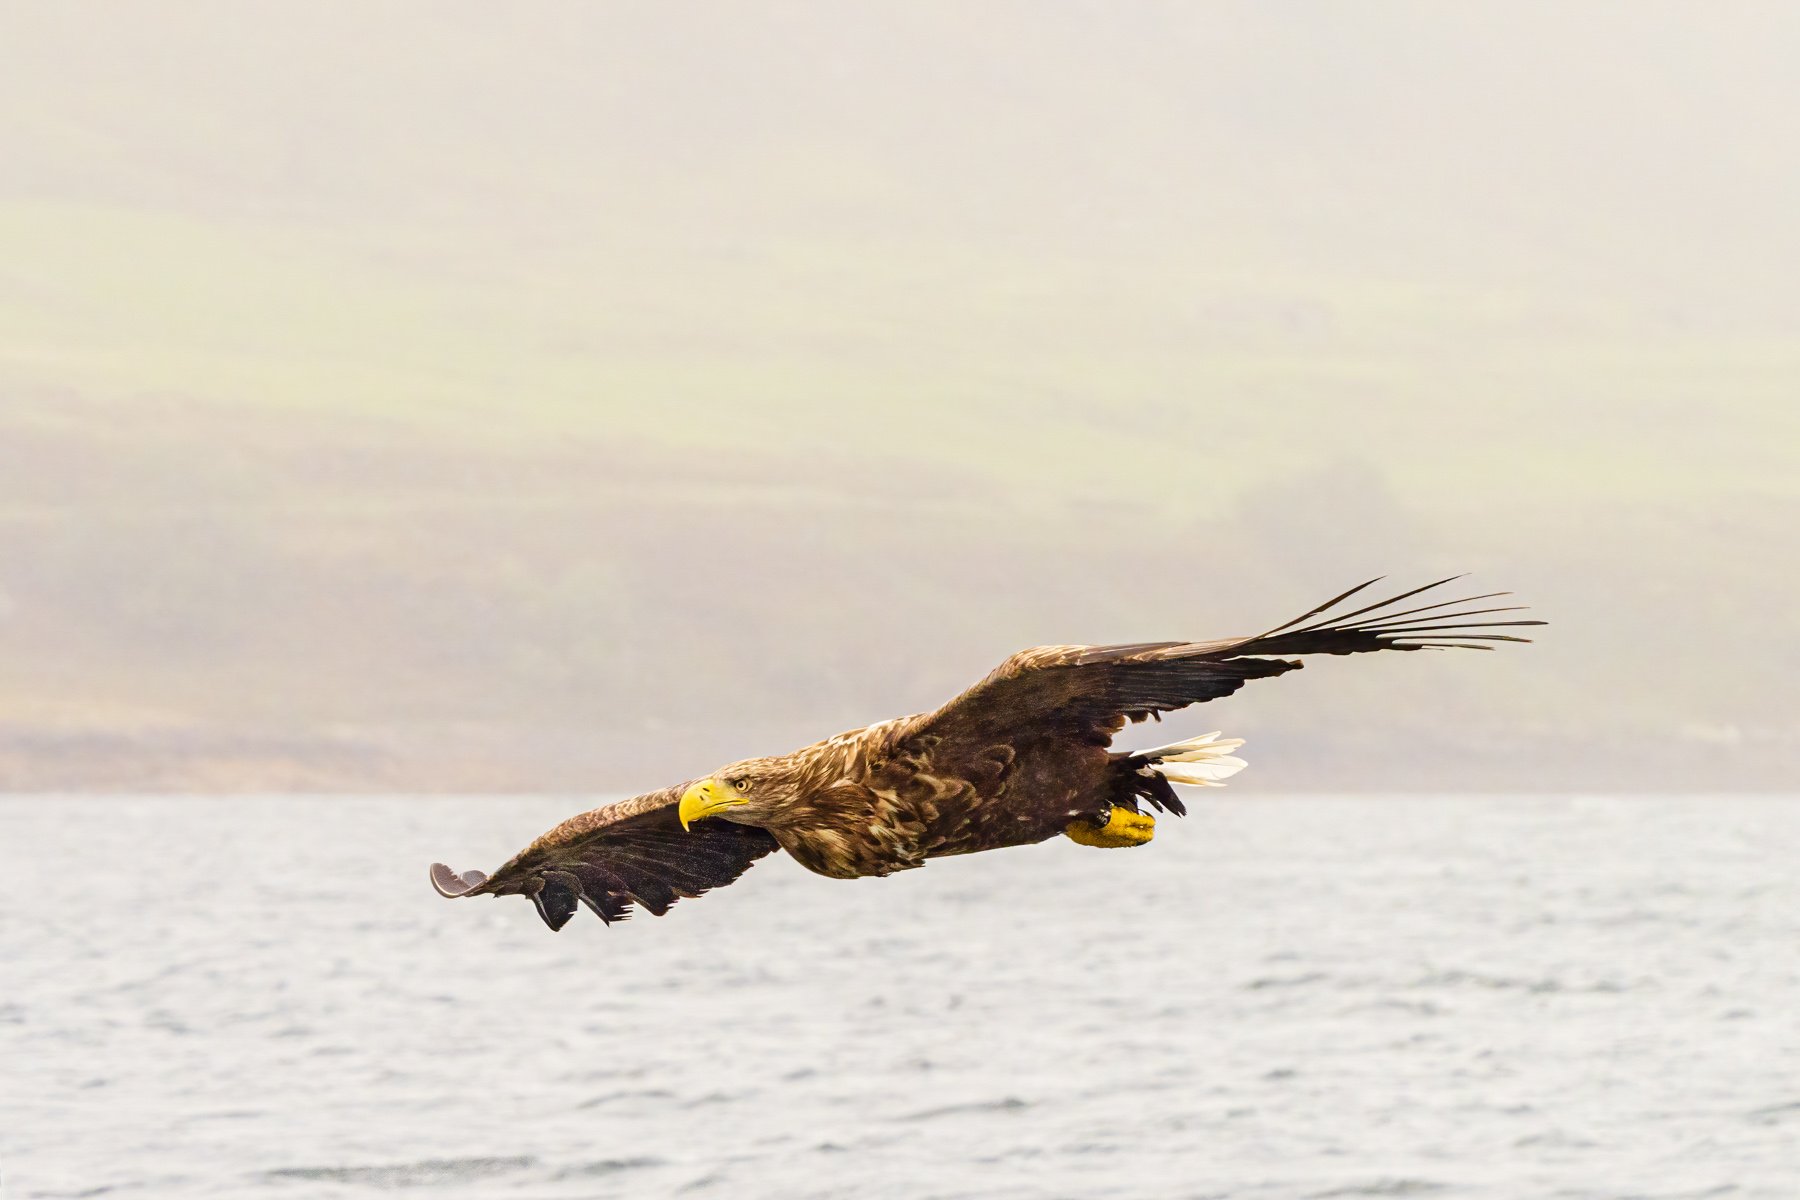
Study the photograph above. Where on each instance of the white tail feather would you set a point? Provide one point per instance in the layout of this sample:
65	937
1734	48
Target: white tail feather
1205	761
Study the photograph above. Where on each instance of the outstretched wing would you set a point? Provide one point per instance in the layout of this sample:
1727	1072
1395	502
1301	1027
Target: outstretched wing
634	851
1089	692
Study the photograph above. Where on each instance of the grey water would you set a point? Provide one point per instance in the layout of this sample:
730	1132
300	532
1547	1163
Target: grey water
1279	997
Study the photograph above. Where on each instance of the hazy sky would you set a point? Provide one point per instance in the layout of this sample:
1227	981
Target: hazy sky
573	396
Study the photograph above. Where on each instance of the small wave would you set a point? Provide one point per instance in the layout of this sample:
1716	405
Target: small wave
168	1022
1511	983
711	1179
1006	1104
606	1166
712	1098
415	1174
1285	981
1772	1113
224	1114
1554	1139
606	1098
1385	1187
1416	1008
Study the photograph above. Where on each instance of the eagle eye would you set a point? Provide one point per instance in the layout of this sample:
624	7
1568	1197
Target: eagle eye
741	784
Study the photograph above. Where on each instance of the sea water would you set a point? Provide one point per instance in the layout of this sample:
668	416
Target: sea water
1280	997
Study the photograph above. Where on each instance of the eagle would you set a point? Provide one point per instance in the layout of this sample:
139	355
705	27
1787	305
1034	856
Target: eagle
1021	757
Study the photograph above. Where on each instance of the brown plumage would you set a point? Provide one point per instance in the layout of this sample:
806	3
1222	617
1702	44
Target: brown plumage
1019	758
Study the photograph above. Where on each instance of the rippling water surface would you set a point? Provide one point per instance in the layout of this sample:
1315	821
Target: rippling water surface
1464	997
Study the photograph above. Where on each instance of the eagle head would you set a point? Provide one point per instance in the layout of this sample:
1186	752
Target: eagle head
750	793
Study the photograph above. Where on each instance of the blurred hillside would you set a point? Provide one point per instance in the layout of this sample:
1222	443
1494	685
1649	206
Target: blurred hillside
418	397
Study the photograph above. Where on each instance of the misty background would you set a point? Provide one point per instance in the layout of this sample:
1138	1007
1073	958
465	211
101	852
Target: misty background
575	397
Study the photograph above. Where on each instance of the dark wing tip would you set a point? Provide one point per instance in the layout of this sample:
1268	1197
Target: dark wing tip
1441	624
450	885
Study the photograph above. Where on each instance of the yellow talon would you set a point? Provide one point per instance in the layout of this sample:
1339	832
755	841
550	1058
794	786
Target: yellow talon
1122	828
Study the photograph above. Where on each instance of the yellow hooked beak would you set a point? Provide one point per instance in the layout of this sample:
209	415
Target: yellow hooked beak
706	799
